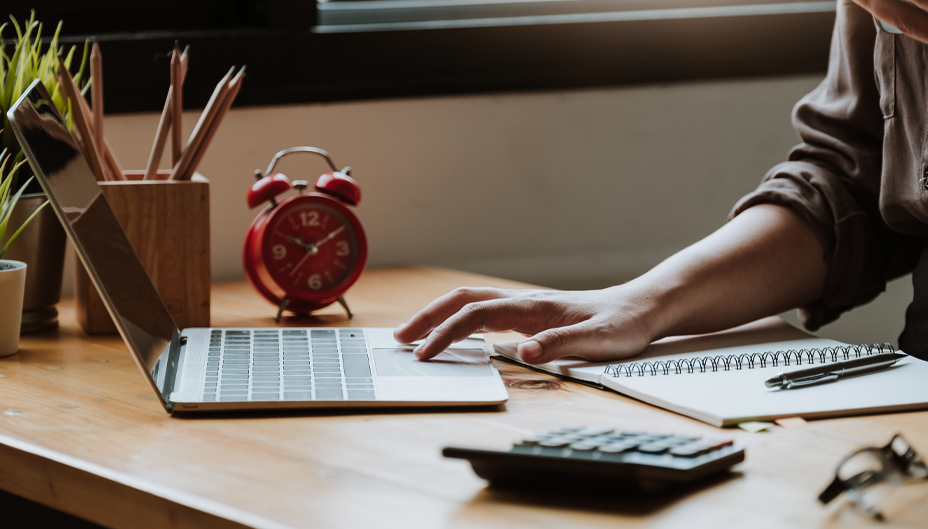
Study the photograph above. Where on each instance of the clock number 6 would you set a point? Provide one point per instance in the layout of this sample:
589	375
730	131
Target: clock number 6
341	248
315	282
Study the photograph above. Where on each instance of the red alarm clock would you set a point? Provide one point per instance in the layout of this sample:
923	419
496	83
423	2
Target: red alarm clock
303	253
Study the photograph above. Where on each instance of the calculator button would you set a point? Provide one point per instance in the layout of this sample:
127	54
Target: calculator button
583	446
557	442
616	448
658	436
564	430
678	440
533	439
654	448
690	450
716	443
602	439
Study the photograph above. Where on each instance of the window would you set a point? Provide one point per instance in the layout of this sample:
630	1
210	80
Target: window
299	52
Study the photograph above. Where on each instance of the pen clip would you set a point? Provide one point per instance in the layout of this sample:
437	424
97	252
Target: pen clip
811	381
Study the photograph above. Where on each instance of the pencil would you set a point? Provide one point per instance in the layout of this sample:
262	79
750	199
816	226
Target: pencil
96	73
161	135
80	118
111	160
183	64
111	168
234	86
178	105
199	131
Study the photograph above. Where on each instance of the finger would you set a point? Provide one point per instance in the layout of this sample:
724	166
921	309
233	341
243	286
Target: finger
441	309
907	18
489	315
588	339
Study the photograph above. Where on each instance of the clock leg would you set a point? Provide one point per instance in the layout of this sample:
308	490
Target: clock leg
344	304
283	306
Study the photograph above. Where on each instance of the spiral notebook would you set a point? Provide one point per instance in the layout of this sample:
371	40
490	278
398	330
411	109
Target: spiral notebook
719	378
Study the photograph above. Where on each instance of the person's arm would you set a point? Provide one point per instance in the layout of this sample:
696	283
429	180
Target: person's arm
765	261
908	16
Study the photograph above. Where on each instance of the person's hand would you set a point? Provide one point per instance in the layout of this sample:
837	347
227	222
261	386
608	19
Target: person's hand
908	16
595	325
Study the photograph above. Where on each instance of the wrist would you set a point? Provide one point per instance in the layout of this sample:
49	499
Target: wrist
651	304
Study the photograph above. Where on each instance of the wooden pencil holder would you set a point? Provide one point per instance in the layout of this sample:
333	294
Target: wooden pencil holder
167	223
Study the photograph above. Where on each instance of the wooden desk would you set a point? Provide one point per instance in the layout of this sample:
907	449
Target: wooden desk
81	432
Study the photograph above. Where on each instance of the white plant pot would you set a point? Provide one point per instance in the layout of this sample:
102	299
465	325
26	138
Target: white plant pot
12	289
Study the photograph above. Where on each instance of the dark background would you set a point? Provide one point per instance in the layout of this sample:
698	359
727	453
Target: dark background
289	63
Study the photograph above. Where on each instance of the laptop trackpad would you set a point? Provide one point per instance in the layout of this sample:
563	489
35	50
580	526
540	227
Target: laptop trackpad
453	362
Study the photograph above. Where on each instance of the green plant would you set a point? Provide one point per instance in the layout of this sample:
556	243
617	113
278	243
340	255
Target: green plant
26	63
7	203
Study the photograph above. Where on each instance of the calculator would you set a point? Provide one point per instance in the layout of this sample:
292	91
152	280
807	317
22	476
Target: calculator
576	456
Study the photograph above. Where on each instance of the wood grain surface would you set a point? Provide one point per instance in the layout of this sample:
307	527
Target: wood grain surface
167	223
81	432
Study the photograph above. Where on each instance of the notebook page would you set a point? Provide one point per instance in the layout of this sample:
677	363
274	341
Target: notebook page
725	398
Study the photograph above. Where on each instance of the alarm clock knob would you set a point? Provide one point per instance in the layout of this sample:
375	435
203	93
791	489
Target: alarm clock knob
300	185
267	188
341	186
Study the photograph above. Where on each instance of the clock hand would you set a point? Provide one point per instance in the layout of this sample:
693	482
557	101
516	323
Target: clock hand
303	260
329	236
295	240
299	242
311	249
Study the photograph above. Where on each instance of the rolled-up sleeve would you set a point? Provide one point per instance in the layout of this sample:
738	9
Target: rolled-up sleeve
832	178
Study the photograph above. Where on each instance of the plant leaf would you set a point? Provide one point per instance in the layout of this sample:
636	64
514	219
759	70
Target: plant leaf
21	228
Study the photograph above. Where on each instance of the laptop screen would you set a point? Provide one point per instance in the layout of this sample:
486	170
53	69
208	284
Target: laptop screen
128	293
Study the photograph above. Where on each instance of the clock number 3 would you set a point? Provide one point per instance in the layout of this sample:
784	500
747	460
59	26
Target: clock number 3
309	218
341	248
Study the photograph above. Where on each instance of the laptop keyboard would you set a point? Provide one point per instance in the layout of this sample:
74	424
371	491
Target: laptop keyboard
288	364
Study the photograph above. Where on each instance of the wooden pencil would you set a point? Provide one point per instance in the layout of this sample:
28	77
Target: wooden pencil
161	138
111	168
199	130
183	64
111	160
234	86
178	106
96	74
164	124
80	118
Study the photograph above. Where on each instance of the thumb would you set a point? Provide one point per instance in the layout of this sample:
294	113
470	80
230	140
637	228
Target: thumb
573	340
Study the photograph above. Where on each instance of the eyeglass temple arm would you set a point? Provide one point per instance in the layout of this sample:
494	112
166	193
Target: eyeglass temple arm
832	491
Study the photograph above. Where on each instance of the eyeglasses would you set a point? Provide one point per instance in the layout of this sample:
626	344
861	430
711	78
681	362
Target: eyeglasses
870	474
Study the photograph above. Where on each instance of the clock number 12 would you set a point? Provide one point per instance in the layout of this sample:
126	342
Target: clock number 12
309	218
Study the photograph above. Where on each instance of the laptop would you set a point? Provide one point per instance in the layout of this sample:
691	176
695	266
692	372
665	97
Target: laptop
211	369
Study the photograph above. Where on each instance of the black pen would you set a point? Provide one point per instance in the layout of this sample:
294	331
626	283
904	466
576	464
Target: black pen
828	373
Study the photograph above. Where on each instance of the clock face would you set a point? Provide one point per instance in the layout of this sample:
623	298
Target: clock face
311	249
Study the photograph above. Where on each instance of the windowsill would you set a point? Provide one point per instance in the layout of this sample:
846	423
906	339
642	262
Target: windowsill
404	15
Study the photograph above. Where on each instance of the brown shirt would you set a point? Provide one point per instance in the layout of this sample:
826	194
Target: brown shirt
860	175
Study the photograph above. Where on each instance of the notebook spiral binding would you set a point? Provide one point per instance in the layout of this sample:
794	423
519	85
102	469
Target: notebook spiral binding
727	362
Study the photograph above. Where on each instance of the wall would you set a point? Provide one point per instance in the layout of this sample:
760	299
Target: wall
571	189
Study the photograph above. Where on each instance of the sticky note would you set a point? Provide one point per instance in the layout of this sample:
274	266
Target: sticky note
755	426
792	423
